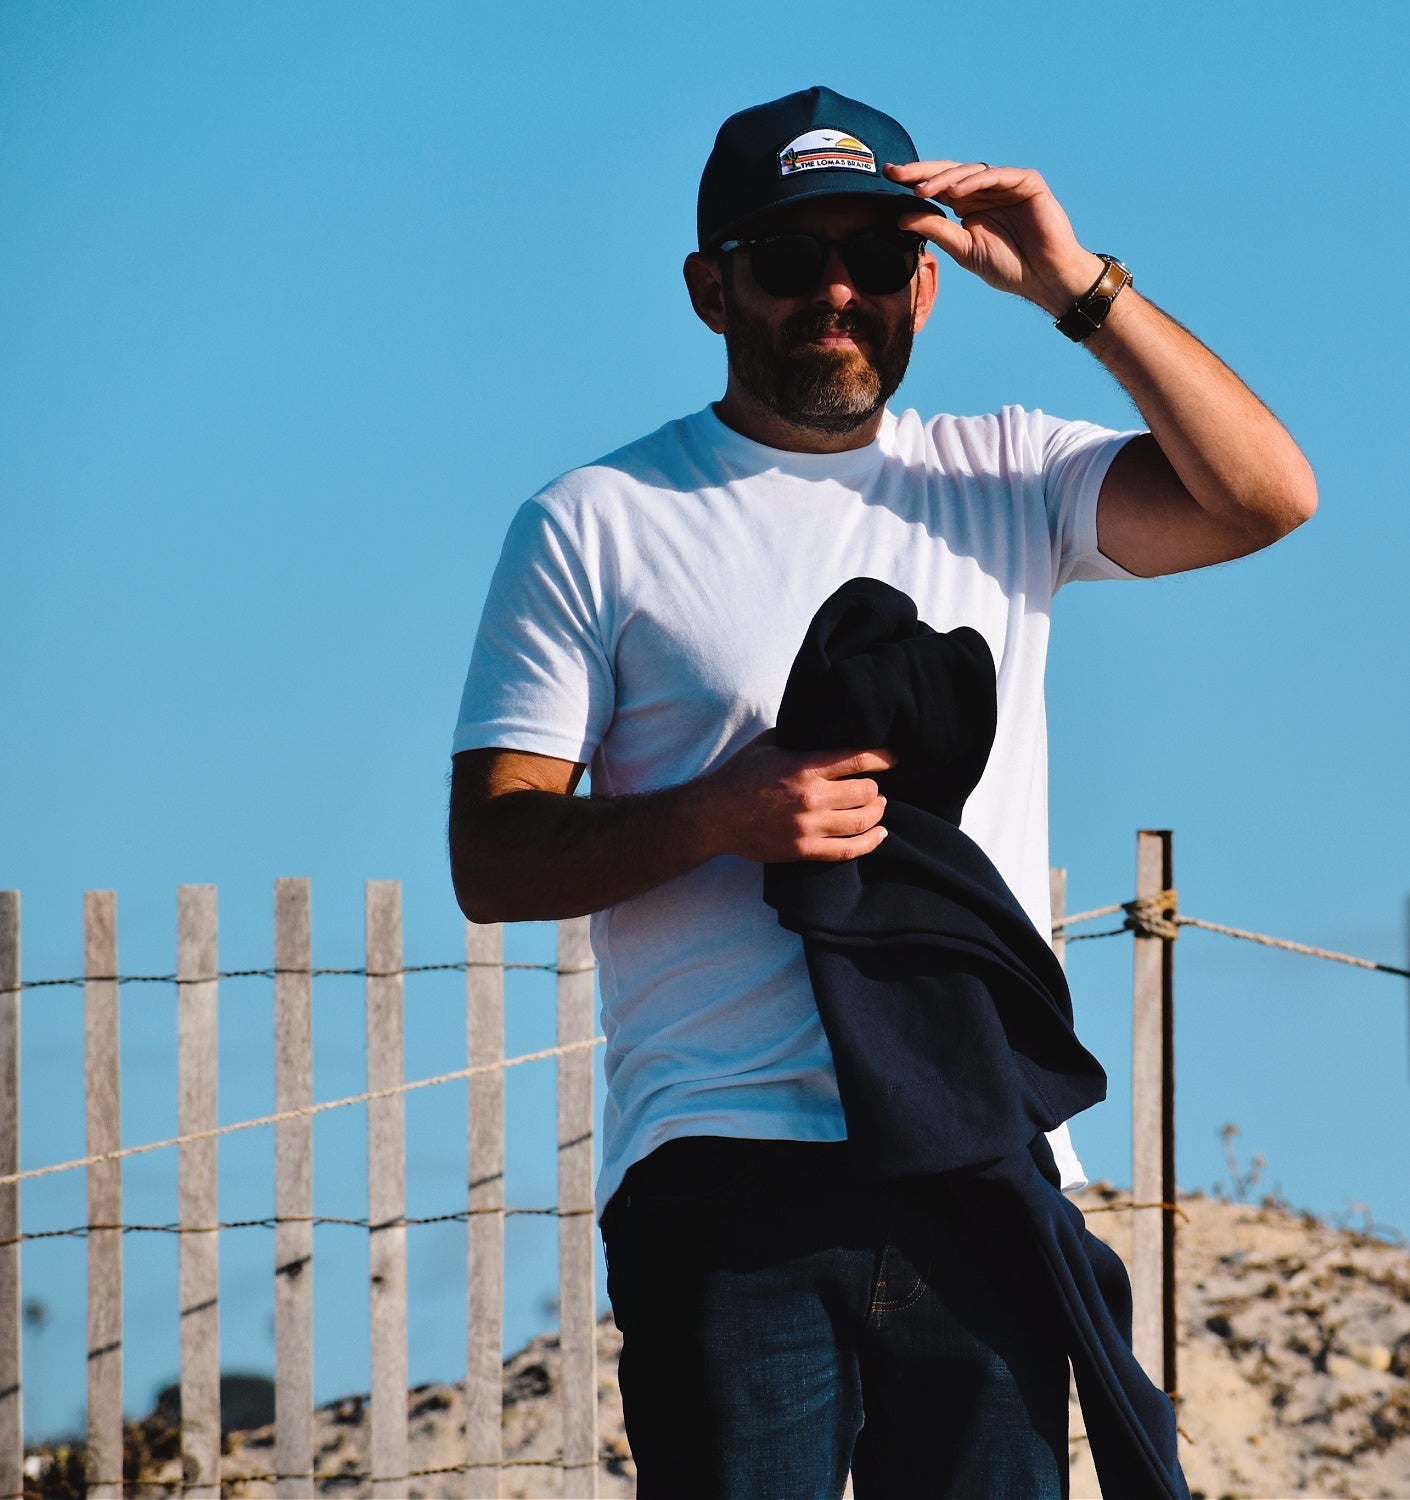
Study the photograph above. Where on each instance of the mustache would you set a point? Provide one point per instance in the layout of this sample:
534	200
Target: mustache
811	323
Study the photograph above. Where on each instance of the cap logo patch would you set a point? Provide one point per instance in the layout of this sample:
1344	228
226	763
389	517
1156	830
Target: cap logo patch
818	149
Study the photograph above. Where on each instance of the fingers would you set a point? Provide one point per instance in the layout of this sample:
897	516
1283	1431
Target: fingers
912	172
851	791
835	764
943	178
968	189
951	237
843	822
925	221
838	850
779	805
842	819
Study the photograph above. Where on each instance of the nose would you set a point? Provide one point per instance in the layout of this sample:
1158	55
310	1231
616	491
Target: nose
834	288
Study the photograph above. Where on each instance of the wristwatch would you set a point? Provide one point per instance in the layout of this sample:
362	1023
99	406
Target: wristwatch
1088	313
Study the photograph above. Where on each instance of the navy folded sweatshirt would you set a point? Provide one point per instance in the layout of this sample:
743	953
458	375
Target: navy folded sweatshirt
948	1015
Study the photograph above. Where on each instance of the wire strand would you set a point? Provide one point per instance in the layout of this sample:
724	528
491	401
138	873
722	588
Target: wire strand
1086	916
305	1110
461	966
1289	946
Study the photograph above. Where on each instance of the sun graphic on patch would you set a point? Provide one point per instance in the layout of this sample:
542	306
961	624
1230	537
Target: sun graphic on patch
819	150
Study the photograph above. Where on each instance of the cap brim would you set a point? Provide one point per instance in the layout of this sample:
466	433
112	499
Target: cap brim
834	188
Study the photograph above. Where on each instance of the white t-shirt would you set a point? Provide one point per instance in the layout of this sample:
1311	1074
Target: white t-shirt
643	618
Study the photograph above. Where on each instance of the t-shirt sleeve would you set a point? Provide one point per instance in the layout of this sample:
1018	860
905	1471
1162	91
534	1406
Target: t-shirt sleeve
1076	456
540	677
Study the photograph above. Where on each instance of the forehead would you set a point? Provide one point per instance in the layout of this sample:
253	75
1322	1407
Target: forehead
834	215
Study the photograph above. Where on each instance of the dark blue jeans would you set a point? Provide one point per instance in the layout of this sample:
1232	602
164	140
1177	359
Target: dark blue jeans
783	1322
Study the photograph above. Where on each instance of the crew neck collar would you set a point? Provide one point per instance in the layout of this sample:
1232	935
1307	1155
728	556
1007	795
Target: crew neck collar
759	457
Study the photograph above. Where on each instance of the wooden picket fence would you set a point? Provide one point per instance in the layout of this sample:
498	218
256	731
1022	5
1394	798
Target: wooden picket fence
197	978
196	1144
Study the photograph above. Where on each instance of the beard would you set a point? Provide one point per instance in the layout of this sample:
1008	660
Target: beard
824	390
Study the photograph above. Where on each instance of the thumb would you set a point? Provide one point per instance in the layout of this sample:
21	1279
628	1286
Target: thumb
946	233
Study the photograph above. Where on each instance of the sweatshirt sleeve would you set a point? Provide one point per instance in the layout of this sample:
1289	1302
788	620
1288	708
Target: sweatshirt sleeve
540	675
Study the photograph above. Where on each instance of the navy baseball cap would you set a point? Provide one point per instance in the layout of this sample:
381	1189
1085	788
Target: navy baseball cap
812	144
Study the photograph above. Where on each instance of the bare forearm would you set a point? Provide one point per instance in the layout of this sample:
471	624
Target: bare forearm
523	848
1231	454
1219	476
538	856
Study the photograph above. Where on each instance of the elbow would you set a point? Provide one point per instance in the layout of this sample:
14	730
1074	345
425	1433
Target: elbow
1301	495
473	879
475	894
1280	508
477	905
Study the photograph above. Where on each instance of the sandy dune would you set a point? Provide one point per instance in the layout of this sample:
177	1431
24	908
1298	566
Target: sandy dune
1294	1358
1294	1371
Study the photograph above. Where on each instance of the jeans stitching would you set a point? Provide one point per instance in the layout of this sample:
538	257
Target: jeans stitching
900	1304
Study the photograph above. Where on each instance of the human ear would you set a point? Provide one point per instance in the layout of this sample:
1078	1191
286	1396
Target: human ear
927	286
704	280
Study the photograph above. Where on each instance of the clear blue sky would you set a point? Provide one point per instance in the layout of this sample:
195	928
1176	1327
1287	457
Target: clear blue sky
299	301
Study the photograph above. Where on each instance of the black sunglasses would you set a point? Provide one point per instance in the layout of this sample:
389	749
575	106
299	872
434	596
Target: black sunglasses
879	261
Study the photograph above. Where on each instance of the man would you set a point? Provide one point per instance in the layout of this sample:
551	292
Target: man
782	1318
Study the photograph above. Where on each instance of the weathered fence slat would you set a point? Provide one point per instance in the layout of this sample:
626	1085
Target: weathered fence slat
101	1072
11	1405
386	1189
1153	1125
1057	906
576	1226
484	1391
197	1044
293	1191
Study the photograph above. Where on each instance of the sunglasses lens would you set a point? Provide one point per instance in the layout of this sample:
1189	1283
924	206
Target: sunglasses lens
788	265
880	263
791	265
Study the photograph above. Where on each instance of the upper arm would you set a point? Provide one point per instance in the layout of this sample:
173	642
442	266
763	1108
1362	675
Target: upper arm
479	776
1149	523
479	846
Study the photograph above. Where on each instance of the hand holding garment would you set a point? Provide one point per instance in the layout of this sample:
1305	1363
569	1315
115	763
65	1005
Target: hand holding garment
948	1015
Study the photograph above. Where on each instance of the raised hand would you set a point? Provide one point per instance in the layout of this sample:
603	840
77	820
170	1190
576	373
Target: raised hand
1012	232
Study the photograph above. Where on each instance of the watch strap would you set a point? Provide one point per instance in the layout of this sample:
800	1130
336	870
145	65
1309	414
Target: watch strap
1089	312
